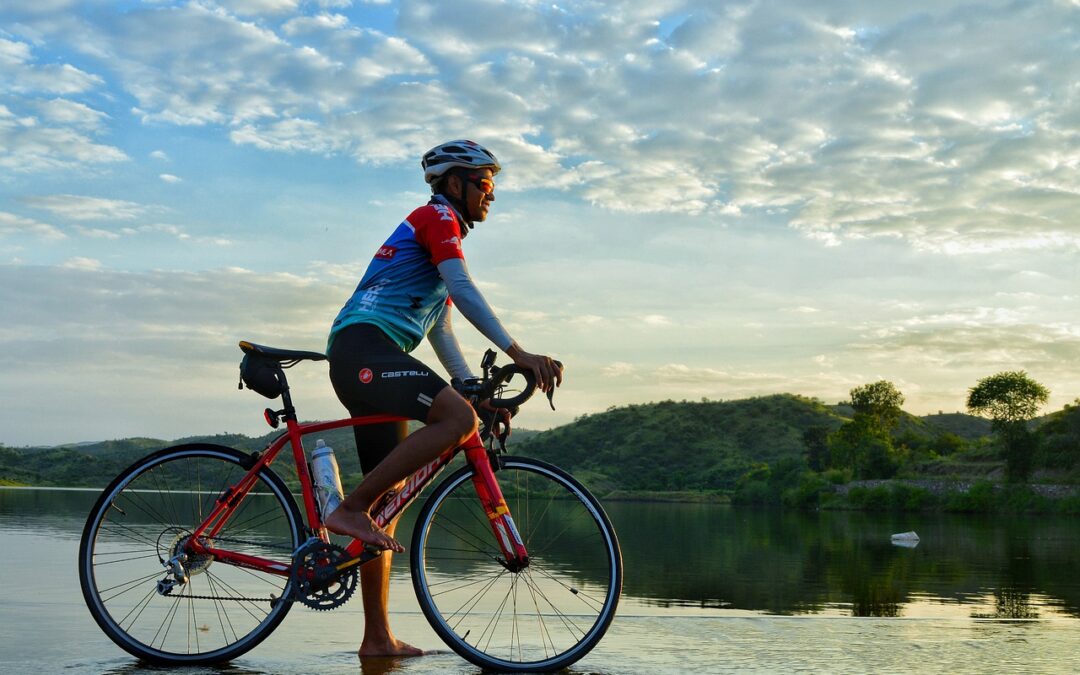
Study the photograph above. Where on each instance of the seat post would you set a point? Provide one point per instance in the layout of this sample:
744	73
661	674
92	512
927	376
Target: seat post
288	412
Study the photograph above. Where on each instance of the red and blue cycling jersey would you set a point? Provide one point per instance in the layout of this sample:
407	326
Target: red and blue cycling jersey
402	292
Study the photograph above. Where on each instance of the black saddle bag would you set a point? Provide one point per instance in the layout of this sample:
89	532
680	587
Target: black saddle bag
262	375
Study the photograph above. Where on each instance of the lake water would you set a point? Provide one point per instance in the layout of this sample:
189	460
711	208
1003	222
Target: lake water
708	589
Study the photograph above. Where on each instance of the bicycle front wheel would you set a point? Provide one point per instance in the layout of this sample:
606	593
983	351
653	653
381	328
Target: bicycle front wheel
542	618
142	521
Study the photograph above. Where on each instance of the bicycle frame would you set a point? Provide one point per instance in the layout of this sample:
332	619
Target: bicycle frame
388	508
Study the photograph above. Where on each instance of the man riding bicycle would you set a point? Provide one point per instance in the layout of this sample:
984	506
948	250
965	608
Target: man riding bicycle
412	282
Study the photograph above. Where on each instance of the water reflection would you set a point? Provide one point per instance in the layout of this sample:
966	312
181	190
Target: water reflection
844	563
724	560
61	512
381	666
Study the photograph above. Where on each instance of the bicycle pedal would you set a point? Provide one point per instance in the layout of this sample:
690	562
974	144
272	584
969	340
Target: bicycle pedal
370	553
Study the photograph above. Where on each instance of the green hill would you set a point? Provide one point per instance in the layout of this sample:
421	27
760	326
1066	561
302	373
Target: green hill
968	427
657	447
96	464
680	446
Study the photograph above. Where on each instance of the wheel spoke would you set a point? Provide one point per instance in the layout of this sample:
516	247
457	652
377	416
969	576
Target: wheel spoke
212	613
543	617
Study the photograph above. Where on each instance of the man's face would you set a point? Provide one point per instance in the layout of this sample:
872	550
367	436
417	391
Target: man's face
478	191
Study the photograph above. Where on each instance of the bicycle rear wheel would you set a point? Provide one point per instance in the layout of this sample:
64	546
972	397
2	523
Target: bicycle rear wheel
542	618
142	520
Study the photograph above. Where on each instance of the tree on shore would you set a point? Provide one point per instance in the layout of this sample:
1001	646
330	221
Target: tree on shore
880	400
864	444
1011	399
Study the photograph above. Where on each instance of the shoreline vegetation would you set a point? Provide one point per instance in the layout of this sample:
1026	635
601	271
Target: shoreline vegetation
779	451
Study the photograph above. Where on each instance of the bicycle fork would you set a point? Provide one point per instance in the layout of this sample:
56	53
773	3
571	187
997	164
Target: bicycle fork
515	557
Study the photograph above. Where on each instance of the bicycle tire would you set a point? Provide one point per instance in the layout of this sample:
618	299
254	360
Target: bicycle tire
568	594
137	524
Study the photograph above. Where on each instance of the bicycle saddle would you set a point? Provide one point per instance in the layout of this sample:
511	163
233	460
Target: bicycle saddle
280	355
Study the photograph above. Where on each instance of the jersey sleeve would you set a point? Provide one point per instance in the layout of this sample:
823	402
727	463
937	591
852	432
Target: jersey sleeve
447	348
437	230
468	299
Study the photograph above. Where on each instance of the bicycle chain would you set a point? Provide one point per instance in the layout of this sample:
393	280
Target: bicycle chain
263	544
271	599
318	599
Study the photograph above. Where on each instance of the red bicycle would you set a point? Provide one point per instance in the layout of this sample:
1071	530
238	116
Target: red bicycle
195	553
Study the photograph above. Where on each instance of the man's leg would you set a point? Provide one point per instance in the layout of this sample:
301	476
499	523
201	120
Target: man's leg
379	640
450	422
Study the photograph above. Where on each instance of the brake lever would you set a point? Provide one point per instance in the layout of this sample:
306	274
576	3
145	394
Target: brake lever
551	394
494	423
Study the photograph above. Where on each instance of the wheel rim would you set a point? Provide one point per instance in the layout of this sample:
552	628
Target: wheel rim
546	616
222	609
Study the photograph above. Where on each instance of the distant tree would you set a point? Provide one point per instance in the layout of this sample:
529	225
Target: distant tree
947	444
1007	398
880	400
1010	399
864	446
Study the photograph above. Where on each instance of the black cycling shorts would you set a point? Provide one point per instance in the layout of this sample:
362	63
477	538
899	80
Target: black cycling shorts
371	376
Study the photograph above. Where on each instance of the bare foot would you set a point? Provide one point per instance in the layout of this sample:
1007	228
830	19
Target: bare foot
389	647
359	525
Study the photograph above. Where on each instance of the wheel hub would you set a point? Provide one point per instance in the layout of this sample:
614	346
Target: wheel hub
176	552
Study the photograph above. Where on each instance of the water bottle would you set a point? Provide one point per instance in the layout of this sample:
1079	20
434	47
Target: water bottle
324	469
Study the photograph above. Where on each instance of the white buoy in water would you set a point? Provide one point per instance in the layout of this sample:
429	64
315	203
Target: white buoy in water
905	539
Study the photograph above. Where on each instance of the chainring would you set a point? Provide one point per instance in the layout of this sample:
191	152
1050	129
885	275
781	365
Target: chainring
316	580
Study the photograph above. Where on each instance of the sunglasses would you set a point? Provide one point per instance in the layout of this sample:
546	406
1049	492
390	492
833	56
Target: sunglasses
485	185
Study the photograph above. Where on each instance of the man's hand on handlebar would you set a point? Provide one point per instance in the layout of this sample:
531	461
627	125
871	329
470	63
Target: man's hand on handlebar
548	371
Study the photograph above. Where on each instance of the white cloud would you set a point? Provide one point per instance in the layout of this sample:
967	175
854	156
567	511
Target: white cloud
96	233
587	319
82	208
21	75
846	125
682	373
28	146
40	131
886	164
320	22
63	111
83	264
260	7
257	75
82	330
618	369
169	178
11	224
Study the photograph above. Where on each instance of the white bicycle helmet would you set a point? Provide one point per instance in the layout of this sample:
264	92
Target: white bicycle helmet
466	154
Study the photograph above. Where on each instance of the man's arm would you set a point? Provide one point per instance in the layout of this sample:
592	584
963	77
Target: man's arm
447	347
472	304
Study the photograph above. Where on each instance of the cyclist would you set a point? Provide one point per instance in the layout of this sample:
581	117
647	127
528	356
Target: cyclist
412	282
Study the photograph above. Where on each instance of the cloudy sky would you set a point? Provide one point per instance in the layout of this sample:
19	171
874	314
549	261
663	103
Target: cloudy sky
700	198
